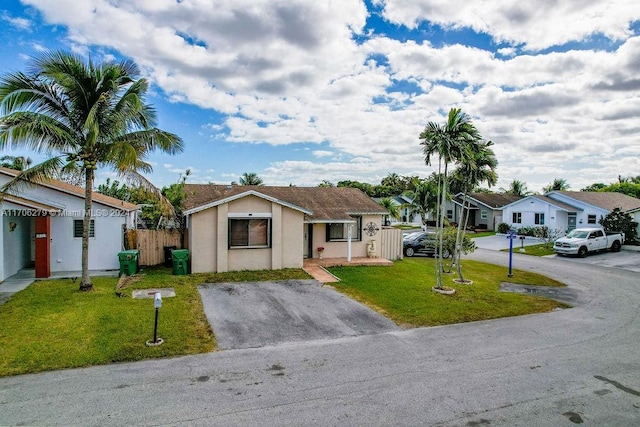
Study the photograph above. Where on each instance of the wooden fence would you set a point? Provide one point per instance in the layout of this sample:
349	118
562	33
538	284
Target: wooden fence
151	244
391	243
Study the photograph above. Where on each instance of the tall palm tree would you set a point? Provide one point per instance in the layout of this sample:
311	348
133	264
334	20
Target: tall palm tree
392	208
250	178
479	168
82	115
451	143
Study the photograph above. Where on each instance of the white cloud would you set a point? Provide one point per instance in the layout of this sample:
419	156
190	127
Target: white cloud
290	71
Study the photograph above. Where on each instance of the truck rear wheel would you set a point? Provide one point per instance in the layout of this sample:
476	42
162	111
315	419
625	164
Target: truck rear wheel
583	251
616	246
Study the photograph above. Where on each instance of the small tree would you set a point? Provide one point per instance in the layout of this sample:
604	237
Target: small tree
547	235
616	220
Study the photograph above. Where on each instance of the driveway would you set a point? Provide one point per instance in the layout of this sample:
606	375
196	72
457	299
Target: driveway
500	241
257	314
626	259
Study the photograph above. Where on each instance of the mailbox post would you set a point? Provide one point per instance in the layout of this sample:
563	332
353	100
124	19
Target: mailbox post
511	235
157	304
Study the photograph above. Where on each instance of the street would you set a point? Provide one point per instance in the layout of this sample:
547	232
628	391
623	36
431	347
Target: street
578	365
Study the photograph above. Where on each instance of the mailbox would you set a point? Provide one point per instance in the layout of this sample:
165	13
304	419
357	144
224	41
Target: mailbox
157	300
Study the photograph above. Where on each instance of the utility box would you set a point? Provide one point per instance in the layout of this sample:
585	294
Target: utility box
128	262
180	261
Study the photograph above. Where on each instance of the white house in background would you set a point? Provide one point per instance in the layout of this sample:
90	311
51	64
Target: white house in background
42	227
401	202
485	209
566	210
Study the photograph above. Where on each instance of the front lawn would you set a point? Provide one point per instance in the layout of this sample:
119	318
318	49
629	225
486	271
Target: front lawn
52	325
536	250
403	292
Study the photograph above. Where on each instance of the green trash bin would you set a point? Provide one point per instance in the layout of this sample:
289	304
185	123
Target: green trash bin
180	261
128	262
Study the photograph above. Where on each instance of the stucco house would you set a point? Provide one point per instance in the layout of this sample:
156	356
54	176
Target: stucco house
42	227
566	210
485	209
233	227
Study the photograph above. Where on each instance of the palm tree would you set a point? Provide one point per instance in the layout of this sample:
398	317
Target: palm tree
479	168
451	142
250	178
16	162
391	207
558	184
424	198
82	115
517	188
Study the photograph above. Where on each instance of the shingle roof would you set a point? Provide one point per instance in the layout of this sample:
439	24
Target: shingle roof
325	203
567	207
604	200
76	191
494	200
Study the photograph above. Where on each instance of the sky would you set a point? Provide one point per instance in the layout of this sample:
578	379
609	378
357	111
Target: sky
301	91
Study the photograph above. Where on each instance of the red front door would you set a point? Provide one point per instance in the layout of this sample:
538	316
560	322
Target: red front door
43	247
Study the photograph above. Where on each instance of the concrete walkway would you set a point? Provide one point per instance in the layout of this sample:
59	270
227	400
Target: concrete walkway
316	267
27	276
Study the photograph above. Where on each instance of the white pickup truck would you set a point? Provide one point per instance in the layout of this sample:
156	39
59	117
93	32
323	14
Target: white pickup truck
581	241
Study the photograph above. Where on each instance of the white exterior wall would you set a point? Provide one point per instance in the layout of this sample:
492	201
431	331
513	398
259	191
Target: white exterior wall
529	207
16	244
66	251
582	215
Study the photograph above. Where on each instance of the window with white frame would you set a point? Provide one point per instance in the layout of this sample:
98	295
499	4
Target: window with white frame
539	218
78	225
517	217
337	231
591	219
484	214
249	233
450	214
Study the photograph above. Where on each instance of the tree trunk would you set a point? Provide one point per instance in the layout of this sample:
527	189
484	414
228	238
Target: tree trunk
460	236
439	228
85	283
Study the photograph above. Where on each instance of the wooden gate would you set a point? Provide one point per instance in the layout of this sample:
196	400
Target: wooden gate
151	244
391	243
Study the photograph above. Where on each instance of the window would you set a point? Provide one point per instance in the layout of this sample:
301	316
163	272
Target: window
591	219
337	231
249	233
484	214
77	228
449	214
539	220
517	218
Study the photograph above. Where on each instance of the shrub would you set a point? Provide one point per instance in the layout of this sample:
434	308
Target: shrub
503	228
617	220
527	231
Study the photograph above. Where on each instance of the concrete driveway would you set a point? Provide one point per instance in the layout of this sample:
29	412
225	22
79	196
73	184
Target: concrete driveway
257	314
625	259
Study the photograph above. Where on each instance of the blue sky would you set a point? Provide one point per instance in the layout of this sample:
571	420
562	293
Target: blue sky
300	91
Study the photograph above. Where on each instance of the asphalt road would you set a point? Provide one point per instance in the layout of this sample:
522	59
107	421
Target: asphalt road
554	369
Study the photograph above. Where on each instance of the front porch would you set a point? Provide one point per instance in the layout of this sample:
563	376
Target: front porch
317	267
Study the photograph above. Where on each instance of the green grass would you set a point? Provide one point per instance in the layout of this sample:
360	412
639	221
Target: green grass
481	234
536	250
52	325
403	292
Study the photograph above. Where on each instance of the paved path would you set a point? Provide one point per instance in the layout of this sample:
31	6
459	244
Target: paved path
553	369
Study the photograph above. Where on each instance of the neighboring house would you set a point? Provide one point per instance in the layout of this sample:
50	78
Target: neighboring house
566	210
261	228
42	227
635	214
402	202
485	209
